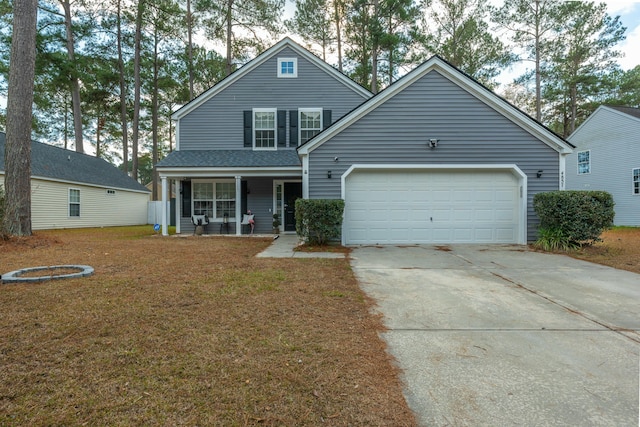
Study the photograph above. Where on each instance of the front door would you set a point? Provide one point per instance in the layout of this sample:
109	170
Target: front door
292	192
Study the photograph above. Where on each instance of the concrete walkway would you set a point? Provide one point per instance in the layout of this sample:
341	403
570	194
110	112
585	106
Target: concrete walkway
500	335
284	247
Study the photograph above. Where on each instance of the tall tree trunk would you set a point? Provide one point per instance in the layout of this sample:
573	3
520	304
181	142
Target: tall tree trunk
17	214
229	37
574	108
75	85
123	96
374	48
137	89
154	117
189	50
338	18
537	60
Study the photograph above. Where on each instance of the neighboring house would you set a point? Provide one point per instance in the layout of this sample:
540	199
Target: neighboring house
607	157
434	158
73	190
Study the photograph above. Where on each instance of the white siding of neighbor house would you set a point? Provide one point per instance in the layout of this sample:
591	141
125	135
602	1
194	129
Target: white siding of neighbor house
468	130
50	206
218	122
613	139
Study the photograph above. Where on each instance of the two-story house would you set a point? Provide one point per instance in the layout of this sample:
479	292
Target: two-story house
236	143
434	158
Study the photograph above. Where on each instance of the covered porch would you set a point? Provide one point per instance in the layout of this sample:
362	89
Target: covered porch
224	199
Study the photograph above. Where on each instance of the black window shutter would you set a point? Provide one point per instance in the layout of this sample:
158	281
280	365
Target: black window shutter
326	118
248	128
293	128
282	128
185	189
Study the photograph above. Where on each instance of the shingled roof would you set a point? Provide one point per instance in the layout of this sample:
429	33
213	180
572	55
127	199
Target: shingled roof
635	112
230	158
55	163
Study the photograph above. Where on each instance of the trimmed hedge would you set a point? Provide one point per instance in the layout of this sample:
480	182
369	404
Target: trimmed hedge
574	217
319	220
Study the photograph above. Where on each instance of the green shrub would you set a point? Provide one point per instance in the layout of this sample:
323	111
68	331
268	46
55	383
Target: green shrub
554	239
319	220
572	218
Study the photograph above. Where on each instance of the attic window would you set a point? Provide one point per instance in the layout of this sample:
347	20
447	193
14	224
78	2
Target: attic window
111	192
287	67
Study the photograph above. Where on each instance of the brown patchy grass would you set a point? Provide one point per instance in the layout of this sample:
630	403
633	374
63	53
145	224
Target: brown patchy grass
619	248
188	331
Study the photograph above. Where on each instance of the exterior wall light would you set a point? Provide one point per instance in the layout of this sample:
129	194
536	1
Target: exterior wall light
433	143
539	174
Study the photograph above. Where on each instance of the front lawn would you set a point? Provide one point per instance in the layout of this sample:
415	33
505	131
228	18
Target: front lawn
188	331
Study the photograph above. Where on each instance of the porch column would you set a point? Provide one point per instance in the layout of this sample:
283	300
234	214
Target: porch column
165	227
238	205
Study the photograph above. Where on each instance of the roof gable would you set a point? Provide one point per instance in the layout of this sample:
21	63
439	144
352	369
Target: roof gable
58	164
634	112
629	114
461	80
258	61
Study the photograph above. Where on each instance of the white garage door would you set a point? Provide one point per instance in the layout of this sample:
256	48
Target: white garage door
436	206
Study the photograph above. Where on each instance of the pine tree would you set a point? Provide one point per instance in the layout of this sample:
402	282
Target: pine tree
17	210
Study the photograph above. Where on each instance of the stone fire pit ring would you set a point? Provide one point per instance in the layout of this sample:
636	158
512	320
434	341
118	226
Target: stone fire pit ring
17	276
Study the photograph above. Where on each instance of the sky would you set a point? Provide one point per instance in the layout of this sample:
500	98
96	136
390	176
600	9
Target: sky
629	12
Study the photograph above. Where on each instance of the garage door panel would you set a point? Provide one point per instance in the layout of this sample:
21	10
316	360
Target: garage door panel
431	207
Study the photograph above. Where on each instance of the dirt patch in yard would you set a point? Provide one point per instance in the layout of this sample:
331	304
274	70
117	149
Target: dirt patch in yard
619	248
189	331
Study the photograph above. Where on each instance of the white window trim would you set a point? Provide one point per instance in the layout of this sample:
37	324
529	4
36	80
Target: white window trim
78	203
275	128
308	110
295	68
213	182
578	162
633	188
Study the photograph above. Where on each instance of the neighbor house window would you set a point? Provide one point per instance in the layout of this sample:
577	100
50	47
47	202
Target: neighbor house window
636	181
214	199
74	202
310	123
264	129
584	162
287	67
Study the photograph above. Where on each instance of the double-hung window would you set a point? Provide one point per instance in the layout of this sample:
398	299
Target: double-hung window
310	123
264	128
74	202
584	162
636	180
214	199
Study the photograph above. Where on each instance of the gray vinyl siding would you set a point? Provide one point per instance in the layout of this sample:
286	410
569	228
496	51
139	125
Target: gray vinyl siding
218	123
614	141
469	132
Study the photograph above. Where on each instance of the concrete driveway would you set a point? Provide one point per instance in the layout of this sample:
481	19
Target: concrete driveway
499	335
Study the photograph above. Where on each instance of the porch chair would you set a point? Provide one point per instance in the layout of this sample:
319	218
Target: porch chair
247	219
199	221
